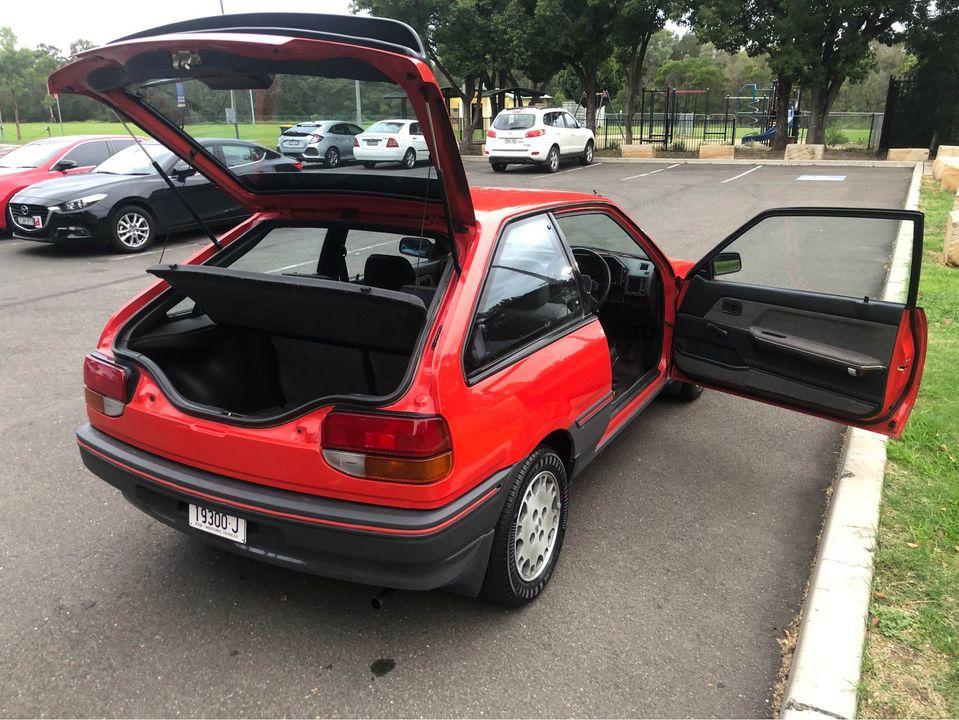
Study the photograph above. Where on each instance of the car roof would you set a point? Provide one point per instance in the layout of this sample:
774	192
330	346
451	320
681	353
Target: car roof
63	139
506	202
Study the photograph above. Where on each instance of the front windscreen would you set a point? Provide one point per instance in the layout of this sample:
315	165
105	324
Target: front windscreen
134	161
296	132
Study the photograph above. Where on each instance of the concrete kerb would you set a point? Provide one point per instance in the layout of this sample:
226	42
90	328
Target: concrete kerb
824	677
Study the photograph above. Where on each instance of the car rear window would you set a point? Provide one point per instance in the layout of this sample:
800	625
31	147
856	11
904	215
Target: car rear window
385	127
514	121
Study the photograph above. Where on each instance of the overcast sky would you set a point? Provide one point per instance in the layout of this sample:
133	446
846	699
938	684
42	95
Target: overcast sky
60	22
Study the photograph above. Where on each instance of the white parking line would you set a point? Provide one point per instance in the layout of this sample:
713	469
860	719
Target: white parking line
736	177
584	167
651	172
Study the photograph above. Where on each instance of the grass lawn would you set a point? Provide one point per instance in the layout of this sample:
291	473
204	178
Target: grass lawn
263	133
911	663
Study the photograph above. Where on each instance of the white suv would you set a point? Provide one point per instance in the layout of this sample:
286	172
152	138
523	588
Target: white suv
542	136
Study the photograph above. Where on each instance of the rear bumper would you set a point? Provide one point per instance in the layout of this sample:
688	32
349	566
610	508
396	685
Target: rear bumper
390	547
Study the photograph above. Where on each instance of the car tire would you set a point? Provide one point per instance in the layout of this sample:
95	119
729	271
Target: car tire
683	392
537	503
332	158
587	157
369	165
552	160
498	166
409	159
132	229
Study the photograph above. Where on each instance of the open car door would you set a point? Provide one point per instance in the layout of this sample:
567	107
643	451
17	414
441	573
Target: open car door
794	309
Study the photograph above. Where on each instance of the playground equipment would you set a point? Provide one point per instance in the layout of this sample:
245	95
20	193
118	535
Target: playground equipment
758	110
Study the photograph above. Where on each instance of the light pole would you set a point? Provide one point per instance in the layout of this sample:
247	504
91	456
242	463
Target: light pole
236	125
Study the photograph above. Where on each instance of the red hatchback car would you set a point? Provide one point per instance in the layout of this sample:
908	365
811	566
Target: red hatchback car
392	378
51	158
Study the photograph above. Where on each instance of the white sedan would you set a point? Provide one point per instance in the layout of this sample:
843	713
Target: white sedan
396	141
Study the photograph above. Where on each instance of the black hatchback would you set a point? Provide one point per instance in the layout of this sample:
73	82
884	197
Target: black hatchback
125	204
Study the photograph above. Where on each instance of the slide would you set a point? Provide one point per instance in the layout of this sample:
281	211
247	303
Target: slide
769	133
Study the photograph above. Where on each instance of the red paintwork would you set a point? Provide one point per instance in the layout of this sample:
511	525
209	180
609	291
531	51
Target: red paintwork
494	423
13	180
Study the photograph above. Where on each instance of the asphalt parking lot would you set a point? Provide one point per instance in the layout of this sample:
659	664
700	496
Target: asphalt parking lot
689	545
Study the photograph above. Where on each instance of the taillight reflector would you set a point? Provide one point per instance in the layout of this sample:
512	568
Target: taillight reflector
356	142
314	138
392	143
106	385
417	436
535	133
396	448
491	133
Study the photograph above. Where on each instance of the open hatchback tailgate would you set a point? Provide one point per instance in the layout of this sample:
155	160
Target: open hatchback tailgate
255	52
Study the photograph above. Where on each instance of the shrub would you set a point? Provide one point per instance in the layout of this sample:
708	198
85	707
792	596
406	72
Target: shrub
835	136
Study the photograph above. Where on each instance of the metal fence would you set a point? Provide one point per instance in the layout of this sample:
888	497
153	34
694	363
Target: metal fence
682	132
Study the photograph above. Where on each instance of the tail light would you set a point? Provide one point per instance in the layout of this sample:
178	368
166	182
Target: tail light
397	448
491	133
356	141
106	385
535	133
298	165
314	138
392	143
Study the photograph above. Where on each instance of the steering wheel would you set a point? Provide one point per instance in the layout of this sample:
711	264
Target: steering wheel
592	265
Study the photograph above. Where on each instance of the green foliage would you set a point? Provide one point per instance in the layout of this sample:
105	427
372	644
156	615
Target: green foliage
835	136
691	73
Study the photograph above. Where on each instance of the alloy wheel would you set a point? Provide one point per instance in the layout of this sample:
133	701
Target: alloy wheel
133	230
332	157
536	527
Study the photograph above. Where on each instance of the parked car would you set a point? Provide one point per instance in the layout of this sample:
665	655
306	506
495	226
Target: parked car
538	136
52	158
124	204
394	380
327	141
392	141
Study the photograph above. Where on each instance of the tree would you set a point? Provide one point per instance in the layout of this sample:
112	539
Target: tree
16	65
832	41
692	73
578	34
639	22
758	27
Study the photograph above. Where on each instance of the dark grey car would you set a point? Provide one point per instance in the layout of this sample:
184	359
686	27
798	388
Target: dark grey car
326	141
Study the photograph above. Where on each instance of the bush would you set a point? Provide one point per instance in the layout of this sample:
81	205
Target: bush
835	136
679	147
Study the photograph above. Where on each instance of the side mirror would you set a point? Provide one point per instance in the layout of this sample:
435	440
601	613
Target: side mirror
64	165
726	263
418	247
181	171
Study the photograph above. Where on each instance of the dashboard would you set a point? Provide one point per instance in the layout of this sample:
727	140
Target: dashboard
631	277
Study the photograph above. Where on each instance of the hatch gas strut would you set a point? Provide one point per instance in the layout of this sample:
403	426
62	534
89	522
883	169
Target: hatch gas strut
172	186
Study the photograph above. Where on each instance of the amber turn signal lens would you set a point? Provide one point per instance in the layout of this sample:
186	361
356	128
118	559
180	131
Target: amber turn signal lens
391	469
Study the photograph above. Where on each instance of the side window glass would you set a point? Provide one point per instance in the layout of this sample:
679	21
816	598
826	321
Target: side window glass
118	145
355	130
284	250
599	232
570	121
529	291
91	153
835	255
235	155
414	129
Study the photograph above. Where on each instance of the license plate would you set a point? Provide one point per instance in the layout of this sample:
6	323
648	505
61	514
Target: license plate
29	222
291	143
372	142
217	523
511	141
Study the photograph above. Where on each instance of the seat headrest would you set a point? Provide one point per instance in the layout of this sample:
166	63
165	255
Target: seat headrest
389	272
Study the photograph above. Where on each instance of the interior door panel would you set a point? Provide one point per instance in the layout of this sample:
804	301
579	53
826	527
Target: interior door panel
829	352
775	312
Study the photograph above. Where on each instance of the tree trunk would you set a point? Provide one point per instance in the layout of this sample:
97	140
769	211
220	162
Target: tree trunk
16	117
784	87
589	86
821	97
635	72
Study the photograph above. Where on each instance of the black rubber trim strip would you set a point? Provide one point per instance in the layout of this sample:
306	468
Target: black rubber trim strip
595	408
274	500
